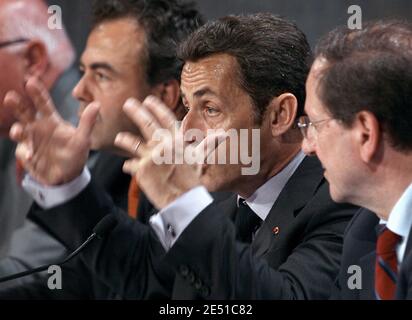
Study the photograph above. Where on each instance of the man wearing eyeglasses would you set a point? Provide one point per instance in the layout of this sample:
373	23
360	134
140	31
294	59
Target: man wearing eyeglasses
361	132
28	48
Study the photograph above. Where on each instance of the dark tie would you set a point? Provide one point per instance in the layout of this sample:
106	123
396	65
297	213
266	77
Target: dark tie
247	222
386	267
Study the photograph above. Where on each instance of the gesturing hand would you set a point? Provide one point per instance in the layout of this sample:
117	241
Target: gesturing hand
50	149
162	182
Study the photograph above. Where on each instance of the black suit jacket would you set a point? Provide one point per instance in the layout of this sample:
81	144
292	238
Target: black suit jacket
32	247
360	251
301	261
295	255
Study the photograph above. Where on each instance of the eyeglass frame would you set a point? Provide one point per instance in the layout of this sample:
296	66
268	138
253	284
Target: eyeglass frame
304	127
5	44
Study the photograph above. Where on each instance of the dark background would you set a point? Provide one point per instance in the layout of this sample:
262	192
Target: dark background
314	17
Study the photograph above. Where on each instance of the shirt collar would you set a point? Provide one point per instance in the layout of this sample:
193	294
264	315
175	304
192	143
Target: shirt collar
400	218
263	199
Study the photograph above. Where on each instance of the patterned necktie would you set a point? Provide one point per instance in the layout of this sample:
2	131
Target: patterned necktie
247	222
133	198
386	267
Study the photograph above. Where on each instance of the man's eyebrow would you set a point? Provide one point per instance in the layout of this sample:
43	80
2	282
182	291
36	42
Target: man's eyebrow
199	93
102	65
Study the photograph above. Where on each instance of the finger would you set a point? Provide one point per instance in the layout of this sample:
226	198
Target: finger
24	153
88	120
17	132
145	121
129	143
210	144
21	107
131	166
164	116
40	97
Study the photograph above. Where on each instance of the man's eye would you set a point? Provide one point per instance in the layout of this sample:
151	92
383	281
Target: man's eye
211	111
101	76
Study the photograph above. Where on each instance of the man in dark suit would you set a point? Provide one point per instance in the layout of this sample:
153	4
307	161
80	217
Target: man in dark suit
285	238
124	72
367	121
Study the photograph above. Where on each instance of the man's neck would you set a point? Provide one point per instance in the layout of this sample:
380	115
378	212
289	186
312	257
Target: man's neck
385	191
267	172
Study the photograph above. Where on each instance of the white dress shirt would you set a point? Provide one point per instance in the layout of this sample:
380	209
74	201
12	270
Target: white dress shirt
400	221
48	197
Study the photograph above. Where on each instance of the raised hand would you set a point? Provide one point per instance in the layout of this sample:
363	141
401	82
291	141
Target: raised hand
50	149
162	182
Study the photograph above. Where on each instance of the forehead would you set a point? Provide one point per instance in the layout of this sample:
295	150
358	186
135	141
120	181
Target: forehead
217	72
314	105
119	41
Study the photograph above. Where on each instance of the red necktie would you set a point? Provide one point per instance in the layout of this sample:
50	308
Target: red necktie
386	267
133	198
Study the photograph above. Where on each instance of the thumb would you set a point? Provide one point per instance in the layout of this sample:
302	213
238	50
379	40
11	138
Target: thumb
88	120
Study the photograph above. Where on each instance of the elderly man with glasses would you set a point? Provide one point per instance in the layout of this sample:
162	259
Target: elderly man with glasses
28	49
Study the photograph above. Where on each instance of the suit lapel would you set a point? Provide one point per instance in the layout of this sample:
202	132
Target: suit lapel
107	172
294	196
367	265
107	169
229	206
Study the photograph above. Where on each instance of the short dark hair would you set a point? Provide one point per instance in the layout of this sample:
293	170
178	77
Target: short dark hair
371	70
272	53
166	24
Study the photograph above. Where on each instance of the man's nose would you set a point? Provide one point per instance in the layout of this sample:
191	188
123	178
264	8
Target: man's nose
308	147
192	122
81	91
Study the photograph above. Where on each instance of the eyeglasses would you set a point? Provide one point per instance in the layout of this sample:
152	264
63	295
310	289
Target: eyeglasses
12	42
304	124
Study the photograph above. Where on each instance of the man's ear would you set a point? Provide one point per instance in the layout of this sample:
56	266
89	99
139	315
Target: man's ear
282	112
367	133
36	59
169	93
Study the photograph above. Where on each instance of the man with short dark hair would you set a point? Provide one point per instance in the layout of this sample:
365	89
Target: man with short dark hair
359	124
130	52
284	242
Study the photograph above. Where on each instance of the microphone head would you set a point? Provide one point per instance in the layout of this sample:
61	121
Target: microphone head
105	226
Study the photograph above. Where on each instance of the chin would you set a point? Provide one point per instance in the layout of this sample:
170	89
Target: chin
94	146
211	183
98	145
336	195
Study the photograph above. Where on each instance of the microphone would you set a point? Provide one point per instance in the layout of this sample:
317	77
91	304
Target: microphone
101	230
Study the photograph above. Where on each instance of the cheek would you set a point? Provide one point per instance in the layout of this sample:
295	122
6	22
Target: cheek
10	80
109	115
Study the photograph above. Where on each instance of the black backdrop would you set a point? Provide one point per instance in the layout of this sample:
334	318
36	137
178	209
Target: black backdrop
314	17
